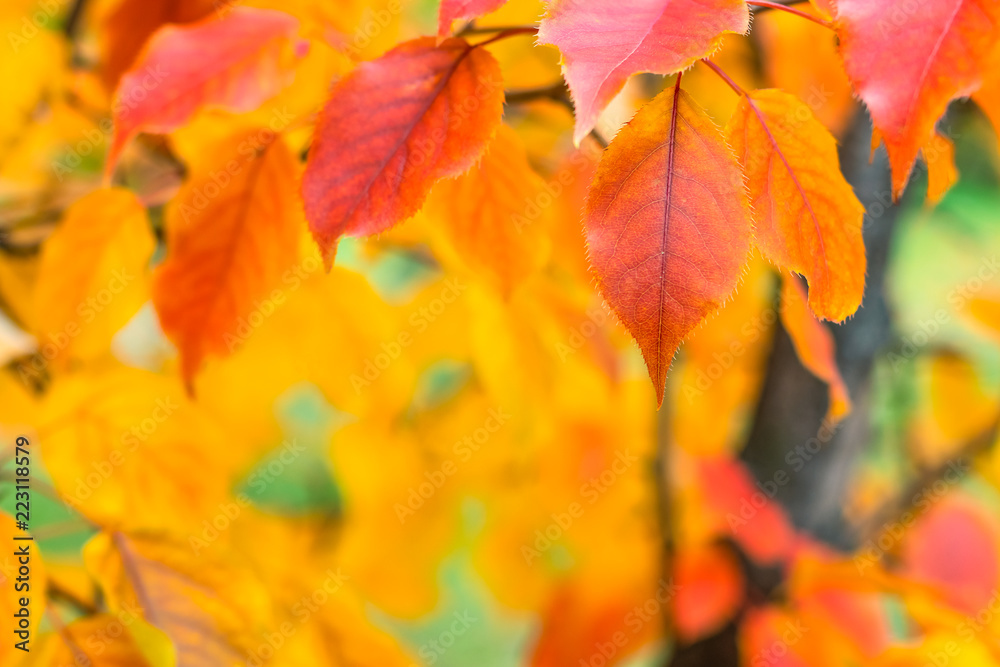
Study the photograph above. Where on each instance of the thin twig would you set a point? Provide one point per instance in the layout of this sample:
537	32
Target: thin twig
73	19
473	29
725	77
766	4
509	32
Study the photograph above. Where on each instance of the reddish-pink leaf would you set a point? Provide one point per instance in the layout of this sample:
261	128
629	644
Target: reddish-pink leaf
234	63
757	523
908	60
668	225
604	42
956	546
452	10
391	129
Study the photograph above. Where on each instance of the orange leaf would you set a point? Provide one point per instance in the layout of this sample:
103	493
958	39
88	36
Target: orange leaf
939	155
710	587
667	225
814	345
227	251
234	63
807	217
452	10
482	214
391	129
604	42
908	60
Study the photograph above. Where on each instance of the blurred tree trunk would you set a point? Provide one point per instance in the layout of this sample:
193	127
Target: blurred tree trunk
793	402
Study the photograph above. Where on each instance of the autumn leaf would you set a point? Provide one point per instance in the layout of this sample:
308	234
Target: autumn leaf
233	63
93	274
956	546
814	345
939	156
483	214
764	531
604	42
139	645
452	10
134	433
193	601
807	218
227	252
710	589
667	224
391	129
908	61
127	26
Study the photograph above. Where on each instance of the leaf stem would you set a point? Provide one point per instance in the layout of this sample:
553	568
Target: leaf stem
766	4
725	77
508	32
473	29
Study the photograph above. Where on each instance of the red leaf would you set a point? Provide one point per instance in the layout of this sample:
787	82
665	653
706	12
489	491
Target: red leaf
757	523
452	10
668	225
604	42
908	60
391	129
234	63
127	27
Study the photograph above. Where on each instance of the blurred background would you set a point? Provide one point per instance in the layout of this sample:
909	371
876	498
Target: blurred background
413	461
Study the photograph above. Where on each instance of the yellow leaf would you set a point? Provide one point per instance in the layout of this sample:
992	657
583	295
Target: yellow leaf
93	275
